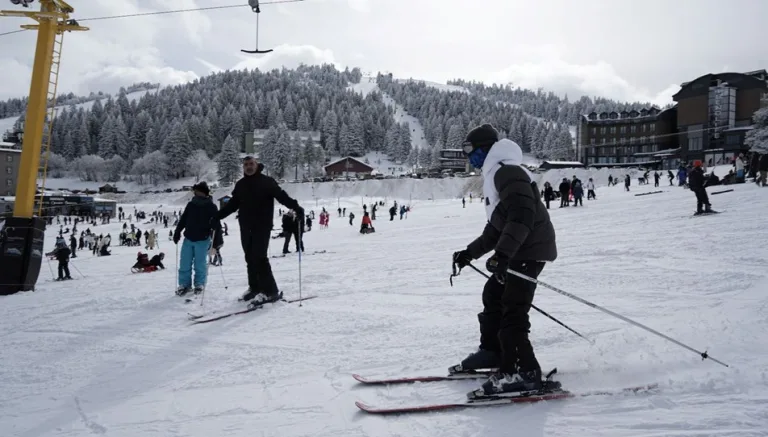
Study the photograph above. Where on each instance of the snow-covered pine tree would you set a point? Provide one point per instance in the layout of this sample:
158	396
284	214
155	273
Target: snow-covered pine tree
267	150
281	151
309	154
757	138
434	159
392	141
177	149
455	137
304	124
356	140
228	162
344	140
405	145
123	145
330	131
107	138
295	155
199	164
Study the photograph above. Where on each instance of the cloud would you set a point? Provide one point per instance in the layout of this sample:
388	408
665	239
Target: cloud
288	56
546	68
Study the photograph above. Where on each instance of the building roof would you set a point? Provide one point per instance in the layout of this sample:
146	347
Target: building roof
346	158
701	84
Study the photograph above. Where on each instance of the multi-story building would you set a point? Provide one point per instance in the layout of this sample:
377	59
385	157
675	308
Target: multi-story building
10	158
709	121
454	160
627	138
714	113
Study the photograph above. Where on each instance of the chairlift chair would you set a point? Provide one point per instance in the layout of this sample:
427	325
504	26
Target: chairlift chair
254	4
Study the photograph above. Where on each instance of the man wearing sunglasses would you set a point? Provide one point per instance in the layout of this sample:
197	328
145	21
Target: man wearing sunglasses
523	238
254	197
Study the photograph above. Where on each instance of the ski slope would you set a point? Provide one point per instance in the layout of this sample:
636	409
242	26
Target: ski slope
368	84
112	353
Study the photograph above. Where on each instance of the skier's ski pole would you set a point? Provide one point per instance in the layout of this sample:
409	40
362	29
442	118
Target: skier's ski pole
703	355
78	270
487	276
299	237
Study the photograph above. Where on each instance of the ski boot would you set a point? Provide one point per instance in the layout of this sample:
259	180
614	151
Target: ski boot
520	383
248	295
198	289
261	299
482	359
181	291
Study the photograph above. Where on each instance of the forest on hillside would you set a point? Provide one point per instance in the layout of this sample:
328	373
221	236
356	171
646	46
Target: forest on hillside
198	127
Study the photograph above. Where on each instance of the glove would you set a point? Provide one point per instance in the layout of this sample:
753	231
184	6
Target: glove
299	213
462	258
498	264
176	238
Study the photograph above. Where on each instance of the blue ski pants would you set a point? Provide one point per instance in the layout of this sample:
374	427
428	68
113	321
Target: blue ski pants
193	253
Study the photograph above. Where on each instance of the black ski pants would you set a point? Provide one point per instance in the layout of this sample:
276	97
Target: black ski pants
701	198
64	269
504	322
255	244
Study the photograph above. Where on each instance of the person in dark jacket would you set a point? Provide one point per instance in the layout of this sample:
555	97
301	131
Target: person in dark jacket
254	197
549	193
521	234
62	253
697	185
157	261
565	189
763	169
197	221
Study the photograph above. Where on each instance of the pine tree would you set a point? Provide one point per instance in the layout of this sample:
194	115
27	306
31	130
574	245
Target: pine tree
107	138
304	124
331	133
228	162
455	137
176	148
757	138
294	154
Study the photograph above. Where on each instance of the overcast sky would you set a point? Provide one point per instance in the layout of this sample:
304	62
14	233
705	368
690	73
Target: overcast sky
621	49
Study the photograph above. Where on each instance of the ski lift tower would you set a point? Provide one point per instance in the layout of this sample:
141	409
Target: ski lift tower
21	253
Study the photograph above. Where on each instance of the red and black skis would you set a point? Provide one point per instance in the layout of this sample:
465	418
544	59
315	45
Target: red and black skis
478	374
529	397
552	391
196	319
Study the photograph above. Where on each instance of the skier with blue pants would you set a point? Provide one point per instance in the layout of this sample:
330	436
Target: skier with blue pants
197	221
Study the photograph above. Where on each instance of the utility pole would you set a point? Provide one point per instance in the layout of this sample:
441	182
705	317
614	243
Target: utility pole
22	247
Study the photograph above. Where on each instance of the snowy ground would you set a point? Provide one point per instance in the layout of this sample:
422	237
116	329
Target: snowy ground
113	354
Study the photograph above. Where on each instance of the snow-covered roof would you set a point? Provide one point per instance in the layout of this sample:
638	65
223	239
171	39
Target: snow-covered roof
565	162
344	159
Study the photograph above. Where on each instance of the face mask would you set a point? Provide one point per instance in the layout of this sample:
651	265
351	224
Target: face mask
477	158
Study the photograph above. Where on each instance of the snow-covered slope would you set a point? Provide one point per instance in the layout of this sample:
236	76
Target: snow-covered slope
8	122
368	84
112	353
438	86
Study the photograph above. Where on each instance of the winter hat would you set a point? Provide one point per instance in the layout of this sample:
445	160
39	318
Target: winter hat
697	163
484	135
202	187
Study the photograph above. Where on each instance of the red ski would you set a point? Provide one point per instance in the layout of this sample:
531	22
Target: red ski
478	374
196	319
497	400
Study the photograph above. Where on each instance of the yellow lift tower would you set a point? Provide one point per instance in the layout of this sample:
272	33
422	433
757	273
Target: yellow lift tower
21	239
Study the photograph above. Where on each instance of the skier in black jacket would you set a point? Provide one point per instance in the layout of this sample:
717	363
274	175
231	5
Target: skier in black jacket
698	186
523	238
254	197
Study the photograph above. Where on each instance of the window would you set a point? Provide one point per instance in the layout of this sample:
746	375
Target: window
645	127
603	141
602	130
594	130
653	128
623	129
633	128
613	129
622	140
9	158
694	144
695	137
591	141
8	182
652	138
8	170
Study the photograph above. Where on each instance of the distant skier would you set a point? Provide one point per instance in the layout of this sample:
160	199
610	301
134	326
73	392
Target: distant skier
697	184
591	189
254	198
197	221
627	182
549	193
157	261
523	238
62	253
366	226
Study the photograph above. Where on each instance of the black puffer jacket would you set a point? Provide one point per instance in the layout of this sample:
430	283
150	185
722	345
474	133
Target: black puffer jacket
519	227
198	220
254	196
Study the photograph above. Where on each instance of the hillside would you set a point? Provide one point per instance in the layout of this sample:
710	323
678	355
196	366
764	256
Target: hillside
113	353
